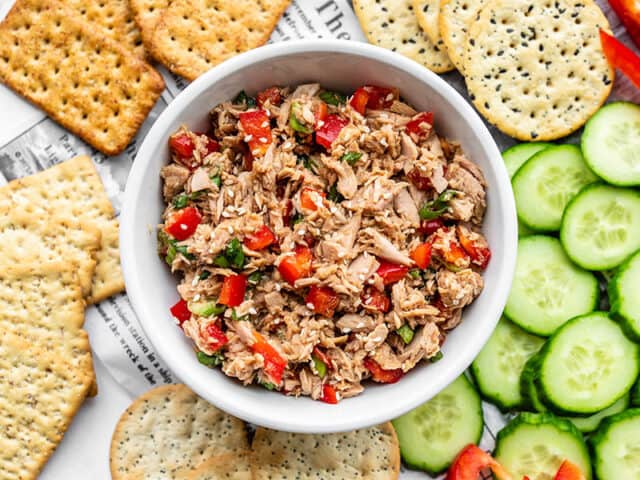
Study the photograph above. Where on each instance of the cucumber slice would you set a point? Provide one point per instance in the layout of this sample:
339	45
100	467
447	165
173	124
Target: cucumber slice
434	433
548	289
546	182
601	226
515	156
530	398
587	365
624	298
535	444
498	366
611	143
591	424
616	447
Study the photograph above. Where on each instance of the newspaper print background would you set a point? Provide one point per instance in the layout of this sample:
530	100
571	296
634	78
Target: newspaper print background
30	142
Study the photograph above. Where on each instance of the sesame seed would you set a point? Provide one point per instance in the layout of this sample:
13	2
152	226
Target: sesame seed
320	123
346	330
248	138
194	282
196	297
268	113
253	311
310	306
230	229
183	226
255	152
241	211
389	97
278	287
231	194
226	214
301	231
263	139
371	281
287	145
383	142
333	209
361	277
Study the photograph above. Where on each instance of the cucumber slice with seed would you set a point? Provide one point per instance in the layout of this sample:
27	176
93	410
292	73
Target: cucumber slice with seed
535	444
434	433
601	226
617	447
611	143
546	182
548	289
624	296
587	365
514	157
498	367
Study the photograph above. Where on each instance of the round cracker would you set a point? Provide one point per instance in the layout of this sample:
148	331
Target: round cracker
392	24
427	12
371	453
536	69
454	19
171	433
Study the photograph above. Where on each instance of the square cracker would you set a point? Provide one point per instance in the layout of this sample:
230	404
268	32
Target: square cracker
116	19
46	370
89	84
32	239
147	14
75	189
193	36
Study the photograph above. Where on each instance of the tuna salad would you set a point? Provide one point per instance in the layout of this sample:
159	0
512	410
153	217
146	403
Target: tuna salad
321	240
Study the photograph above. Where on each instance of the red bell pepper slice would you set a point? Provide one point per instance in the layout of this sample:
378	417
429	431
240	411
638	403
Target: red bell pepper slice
359	100
379	374
391	272
569	471
471	461
329	131
621	57
182	145
216	337
181	311
381	97
323	357
629	13
374	299
212	145
329	394
324	300
296	266
233	289
422	255
272	94
312	199
274	364
260	239
183	223
422	182
479	251
320	114
431	226
256	124
420	124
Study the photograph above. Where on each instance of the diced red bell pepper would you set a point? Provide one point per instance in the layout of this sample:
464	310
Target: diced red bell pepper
379	374
478	250
181	311
260	239
296	266
212	144
324	300
182	145
375	299
329	131
420	124
391	272
272	94
233	289
471	461
320	114
569	471
422	255
323	357
359	100
629	13
431	226
381	97
329	394
312	199
621	57
217	339
274	364
256	124
422	182
183	223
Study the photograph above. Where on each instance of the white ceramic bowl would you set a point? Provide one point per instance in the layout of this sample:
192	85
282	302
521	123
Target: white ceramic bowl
341	66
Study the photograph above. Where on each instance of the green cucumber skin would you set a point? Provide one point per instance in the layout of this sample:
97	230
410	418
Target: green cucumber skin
513	158
617	308
635	394
527	418
564	235
591	424
528	388
430	469
593	163
600	438
544	397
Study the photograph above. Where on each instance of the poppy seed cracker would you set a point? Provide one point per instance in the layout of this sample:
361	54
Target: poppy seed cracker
427	12
453	22
537	70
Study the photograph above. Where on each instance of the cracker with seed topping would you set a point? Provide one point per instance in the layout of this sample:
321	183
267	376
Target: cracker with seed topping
454	19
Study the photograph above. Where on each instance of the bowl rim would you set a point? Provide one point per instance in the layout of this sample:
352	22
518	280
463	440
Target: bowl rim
133	278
